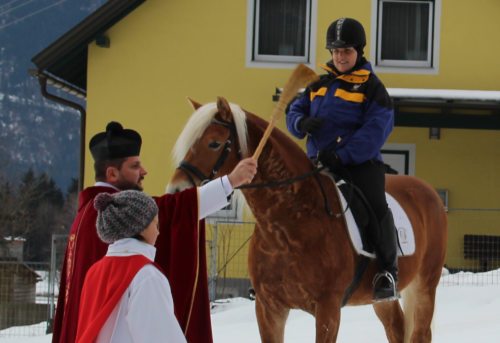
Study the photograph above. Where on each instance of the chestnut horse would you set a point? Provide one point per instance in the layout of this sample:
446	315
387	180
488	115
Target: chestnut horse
300	257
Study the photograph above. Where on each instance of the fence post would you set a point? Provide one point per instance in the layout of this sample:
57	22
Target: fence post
212	283
52	280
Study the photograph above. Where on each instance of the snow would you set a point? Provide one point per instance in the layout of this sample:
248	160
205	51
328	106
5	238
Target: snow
445	94
442	94
16	239
465	312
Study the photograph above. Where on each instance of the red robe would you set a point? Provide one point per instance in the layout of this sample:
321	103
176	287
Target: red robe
116	274
180	253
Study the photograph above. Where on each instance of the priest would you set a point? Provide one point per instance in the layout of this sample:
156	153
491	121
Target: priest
180	245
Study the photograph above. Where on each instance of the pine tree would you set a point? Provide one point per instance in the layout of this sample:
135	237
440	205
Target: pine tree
40	206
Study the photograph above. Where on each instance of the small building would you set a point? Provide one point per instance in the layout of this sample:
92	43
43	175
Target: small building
18	295
17	282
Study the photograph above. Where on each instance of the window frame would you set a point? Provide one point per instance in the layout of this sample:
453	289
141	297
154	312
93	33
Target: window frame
430	66
405	151
276	61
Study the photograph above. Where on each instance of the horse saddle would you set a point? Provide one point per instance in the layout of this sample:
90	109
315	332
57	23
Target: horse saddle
357	218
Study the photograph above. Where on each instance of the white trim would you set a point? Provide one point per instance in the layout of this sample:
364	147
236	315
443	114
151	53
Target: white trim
281	62
410	148
402	67
233	213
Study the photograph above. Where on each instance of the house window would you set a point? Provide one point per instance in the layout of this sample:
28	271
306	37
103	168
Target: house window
400	158
281	31
406	33
443	194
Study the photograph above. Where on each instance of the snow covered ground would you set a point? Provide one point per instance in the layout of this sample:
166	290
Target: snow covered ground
464	313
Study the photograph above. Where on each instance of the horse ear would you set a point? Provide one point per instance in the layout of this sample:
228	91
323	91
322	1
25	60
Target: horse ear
194	104
224	109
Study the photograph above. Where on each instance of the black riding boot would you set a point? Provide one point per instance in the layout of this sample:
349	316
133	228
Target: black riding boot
385	282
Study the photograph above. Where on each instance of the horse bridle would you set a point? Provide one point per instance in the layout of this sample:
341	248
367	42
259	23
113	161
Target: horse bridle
192	171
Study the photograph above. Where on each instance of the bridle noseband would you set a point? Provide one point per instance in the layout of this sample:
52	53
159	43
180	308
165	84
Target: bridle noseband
191	170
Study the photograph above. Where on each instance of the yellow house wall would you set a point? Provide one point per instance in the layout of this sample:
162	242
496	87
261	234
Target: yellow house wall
467	164
167	50
163	52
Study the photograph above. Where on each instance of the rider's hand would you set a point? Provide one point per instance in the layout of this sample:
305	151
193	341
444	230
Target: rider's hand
330	159
310	124
243	173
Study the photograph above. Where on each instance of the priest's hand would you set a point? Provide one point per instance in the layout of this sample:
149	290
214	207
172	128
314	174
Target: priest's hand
243	173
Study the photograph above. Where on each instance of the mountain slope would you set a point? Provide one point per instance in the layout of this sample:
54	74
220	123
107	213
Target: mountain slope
34	132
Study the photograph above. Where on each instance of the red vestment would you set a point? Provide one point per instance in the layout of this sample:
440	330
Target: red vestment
180	253
111	276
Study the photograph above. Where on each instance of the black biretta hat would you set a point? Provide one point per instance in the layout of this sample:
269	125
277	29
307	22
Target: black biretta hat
115	142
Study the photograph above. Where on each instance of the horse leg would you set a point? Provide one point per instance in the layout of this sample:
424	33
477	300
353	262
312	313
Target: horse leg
271	318
392	317
419	313
328	320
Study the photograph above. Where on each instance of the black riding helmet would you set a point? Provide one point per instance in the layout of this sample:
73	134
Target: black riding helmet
346	33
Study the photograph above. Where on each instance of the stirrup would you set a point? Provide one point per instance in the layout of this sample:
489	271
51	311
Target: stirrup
385	294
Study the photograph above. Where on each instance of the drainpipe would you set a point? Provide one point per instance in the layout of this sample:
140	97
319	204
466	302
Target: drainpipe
43	79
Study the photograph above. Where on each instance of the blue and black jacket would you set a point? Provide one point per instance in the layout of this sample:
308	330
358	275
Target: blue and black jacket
356	110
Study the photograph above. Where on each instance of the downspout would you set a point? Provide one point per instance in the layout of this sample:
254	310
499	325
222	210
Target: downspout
42	79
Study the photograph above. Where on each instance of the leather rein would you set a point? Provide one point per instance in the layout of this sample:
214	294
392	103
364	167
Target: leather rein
191	171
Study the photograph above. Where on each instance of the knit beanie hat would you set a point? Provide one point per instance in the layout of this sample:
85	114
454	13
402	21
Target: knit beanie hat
123	214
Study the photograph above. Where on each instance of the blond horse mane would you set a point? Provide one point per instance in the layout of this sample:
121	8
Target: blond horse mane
197	124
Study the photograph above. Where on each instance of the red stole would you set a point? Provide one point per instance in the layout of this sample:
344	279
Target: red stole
104	286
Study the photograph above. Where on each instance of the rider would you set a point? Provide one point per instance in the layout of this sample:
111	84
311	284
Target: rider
347	116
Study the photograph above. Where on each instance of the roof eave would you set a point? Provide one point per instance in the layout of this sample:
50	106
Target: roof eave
74	43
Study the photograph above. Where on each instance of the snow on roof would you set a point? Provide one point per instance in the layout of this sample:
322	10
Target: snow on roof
441	94
445	94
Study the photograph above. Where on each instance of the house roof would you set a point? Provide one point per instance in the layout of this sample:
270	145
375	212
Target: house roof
66	58
11	268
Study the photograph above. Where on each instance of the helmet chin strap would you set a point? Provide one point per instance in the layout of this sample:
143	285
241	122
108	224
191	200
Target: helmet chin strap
360	56
360	60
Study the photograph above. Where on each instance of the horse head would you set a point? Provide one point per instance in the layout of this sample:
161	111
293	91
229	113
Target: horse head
210	144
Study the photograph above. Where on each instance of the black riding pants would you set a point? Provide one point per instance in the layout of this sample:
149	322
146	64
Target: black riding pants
370	178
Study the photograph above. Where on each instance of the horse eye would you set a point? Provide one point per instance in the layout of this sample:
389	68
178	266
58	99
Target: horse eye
214	145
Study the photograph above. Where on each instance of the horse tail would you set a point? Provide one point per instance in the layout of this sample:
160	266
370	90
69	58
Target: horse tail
409	295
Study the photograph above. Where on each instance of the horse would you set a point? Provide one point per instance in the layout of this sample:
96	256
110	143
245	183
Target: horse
300	256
